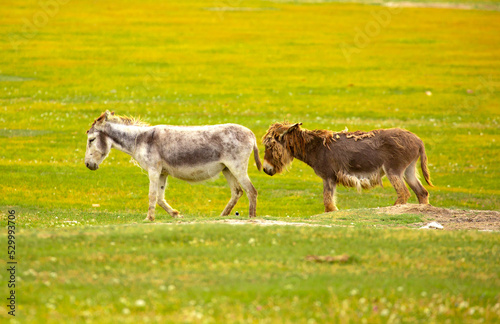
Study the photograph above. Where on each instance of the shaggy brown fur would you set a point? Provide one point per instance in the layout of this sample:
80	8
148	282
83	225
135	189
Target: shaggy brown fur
353	159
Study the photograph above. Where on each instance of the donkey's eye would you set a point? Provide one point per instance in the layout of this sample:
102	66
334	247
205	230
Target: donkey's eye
91	140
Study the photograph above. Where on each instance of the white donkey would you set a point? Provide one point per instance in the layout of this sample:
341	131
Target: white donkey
190	153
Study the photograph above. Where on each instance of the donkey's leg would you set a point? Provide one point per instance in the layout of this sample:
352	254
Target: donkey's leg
154	178
236	191
397	182
415	184
251	192
329	195
162	185
240	173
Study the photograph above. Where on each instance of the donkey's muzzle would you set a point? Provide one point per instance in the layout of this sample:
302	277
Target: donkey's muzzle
269	171
92	166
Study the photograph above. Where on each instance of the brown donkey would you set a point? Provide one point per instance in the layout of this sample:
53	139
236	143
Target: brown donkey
353	159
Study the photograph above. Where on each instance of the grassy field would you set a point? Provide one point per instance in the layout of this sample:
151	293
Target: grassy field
226	273
328	65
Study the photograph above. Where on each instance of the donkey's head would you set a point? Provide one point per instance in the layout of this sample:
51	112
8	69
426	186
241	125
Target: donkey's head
278	154
98	144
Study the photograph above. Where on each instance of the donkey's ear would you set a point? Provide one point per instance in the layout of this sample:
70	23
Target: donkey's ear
290	129
108	114
101	119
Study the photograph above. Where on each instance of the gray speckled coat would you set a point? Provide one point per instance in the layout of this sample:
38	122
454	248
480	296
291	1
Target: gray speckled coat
190	153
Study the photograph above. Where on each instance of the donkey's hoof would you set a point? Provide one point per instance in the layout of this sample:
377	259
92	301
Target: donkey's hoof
147	219
330	207
176	214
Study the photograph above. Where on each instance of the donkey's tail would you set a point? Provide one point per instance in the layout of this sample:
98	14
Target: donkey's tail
423	165
256	156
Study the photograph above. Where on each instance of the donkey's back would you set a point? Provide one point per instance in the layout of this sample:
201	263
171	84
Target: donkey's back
196	153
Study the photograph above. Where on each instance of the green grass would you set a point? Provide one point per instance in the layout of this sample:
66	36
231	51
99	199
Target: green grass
226	273
185	63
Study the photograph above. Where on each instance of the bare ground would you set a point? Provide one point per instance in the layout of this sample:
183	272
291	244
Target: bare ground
451	219
442	5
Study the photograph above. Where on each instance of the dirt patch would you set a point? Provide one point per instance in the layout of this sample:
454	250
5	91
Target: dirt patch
441	5
451	219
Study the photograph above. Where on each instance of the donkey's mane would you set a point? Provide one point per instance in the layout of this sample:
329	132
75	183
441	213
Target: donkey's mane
327	135
297	140
124	120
